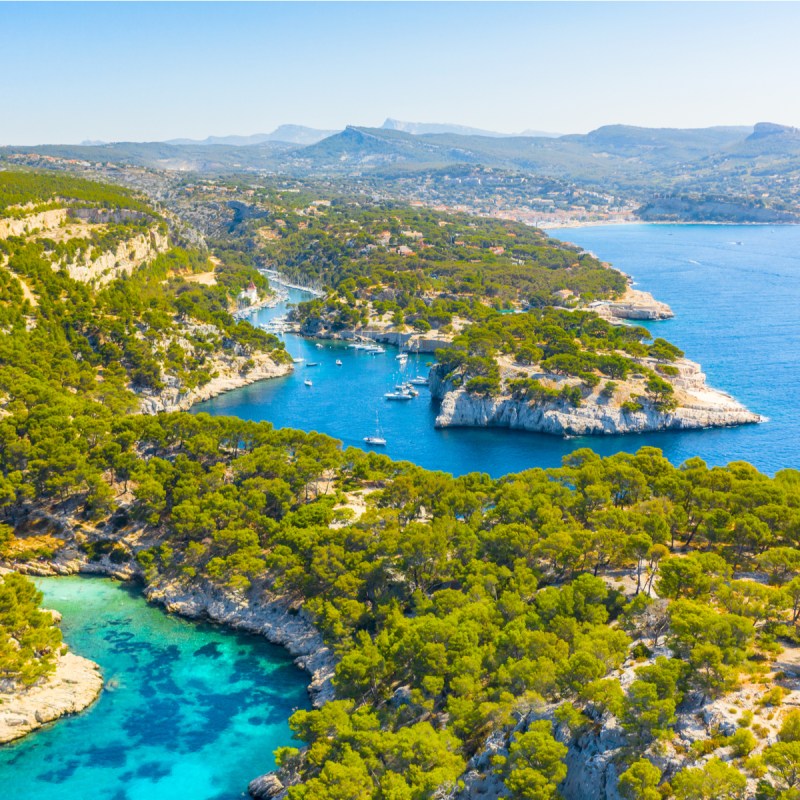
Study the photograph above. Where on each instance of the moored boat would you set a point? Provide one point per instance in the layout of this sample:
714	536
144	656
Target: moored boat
377	438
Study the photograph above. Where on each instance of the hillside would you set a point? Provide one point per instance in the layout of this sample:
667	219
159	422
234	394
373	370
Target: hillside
87	272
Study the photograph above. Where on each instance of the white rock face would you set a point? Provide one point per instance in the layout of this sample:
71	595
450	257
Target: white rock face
700	406
74	686
44	220
634	304
229	376
128	256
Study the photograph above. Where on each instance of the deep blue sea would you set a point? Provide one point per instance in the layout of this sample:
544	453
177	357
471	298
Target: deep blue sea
735	291
192	712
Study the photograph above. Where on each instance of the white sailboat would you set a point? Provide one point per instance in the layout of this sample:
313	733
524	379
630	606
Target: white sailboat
376	439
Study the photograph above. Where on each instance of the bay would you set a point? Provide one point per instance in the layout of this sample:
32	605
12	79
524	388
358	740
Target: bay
736	294
190	710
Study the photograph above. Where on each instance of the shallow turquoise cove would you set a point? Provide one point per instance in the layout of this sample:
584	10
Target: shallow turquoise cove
191	711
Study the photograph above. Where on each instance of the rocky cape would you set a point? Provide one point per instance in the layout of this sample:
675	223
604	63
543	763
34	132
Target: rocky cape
699	406
74	686
634	305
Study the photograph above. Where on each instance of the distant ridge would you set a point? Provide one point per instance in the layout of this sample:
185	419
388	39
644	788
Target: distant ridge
422	128
763	129
292	134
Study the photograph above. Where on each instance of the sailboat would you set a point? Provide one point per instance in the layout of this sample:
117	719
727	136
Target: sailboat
377	438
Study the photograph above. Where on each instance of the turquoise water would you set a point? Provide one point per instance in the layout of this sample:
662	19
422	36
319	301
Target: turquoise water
195	713
735	291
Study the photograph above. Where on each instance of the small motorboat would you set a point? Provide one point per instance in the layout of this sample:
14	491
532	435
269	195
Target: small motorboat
307	382
419	381
338	362
312	364
398	396
319	345
298	360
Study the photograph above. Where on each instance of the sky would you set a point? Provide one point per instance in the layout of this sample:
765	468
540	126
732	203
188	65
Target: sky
153	71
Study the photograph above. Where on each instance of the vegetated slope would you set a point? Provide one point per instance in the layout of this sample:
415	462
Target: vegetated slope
30	639
141	324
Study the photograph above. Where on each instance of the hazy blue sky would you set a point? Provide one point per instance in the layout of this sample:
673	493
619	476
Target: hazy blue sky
130	71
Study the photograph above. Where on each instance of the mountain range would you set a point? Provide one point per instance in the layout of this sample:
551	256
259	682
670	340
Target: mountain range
757	166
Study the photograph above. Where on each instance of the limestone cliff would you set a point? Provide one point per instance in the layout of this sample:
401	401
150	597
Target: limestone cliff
128	256
635	305
261	612
699	406
43	221
90	265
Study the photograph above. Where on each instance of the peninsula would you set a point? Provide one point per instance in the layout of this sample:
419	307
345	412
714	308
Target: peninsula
40	680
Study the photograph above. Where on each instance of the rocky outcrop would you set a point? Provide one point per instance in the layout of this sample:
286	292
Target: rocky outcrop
75	685
265	787
229	374
700	406
44	220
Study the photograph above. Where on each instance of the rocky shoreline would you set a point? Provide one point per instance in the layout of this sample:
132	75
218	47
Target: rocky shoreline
635	305
73	687
229	376
276	618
